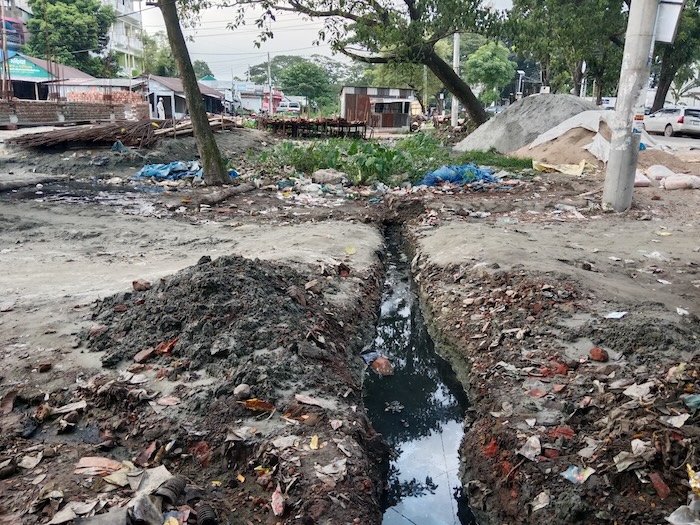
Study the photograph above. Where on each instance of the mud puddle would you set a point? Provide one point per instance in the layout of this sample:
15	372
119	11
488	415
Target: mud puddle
419	410
132	199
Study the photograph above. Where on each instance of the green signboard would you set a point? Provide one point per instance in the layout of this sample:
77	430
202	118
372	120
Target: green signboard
21	68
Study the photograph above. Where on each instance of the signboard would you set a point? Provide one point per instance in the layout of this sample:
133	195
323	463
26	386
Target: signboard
668	15
21	68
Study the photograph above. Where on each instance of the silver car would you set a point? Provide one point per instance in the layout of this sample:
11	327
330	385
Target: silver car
674	121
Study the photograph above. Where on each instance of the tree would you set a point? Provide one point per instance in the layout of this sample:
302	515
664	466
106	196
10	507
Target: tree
278	63
384	31
157	56
681	53
75	31
490	66
201	69
562	34
215	172
306	79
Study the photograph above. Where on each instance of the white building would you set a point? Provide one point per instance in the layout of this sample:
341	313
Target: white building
125	37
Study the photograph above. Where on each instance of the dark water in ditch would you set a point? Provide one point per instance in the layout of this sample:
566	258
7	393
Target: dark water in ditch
419	410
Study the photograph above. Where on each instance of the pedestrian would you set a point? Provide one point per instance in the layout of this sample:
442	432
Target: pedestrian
161	109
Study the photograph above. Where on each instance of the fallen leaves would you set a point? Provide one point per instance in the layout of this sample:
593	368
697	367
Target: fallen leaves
258	405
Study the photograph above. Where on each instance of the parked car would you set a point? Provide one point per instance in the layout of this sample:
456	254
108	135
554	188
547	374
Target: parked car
288	107
674	121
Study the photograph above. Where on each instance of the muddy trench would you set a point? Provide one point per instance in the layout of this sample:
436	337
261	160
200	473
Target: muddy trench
416	403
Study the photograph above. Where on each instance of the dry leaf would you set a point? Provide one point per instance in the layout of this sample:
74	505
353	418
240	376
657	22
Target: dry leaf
258	405
241	478
314	443
350	250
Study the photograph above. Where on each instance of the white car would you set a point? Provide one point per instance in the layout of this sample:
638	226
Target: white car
674	121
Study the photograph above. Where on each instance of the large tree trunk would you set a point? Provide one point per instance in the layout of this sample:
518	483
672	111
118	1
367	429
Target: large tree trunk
215	172
578	79
598	91
455	85
665	80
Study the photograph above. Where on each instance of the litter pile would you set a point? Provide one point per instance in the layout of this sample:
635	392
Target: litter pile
522	122
177	170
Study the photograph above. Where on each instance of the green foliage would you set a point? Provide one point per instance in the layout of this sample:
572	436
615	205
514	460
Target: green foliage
157	56
369	161
306	79
494	159
676	58
490	66
201	68
76	32
561	35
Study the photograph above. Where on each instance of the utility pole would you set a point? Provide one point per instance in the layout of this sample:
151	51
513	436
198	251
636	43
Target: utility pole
455	66
629	110
269	83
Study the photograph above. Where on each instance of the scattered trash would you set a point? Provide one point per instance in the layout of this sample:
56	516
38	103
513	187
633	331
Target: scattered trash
333	472
692	401
458	175
693	479
658	172
642	452
659	485
541	501
566	169
640	392
681	182
686	514
615	315
96	466
682	311
277	501
675	421
383	366
531	449
336	424
577	475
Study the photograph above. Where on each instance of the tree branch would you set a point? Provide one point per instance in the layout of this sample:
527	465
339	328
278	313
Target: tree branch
412	11
366	59
298	8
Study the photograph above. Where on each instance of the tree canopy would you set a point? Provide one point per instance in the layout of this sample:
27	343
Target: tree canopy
384	31
157	56
201	68
76	32
306	79
676	59
490	66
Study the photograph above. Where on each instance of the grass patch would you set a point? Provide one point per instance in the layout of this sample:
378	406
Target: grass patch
409	158
495	159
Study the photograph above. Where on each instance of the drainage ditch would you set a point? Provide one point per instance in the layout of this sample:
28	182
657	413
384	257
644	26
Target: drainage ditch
419	410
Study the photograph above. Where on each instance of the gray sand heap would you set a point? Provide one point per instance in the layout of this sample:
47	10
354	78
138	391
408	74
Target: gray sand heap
522	122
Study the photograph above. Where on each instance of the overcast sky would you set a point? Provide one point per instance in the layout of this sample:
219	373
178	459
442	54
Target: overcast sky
229	53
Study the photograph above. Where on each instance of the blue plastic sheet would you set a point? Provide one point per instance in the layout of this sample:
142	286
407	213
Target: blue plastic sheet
174	171
458	175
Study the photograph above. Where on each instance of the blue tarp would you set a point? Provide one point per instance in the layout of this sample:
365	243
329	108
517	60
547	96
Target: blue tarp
174	171
458	175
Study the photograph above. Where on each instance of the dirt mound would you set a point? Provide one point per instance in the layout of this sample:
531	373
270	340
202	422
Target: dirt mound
567	149
523	122
228	316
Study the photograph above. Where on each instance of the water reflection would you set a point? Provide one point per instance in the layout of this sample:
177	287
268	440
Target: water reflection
419	411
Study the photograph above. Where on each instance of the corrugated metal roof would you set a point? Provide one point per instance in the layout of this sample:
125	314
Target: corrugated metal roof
175	84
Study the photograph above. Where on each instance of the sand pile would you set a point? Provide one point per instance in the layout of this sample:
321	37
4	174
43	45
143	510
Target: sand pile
523	122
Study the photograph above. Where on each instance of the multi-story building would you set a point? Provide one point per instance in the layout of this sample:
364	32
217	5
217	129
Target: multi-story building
125	38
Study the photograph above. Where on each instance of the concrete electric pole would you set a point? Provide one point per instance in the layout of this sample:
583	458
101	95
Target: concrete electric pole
629	110
455	66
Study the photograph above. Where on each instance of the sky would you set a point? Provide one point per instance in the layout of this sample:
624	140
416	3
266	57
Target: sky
230	52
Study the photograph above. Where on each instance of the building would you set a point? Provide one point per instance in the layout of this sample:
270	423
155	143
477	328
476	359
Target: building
125	37
173	95
36	78
388	109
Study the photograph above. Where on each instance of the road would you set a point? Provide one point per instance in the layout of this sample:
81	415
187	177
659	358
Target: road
678	143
